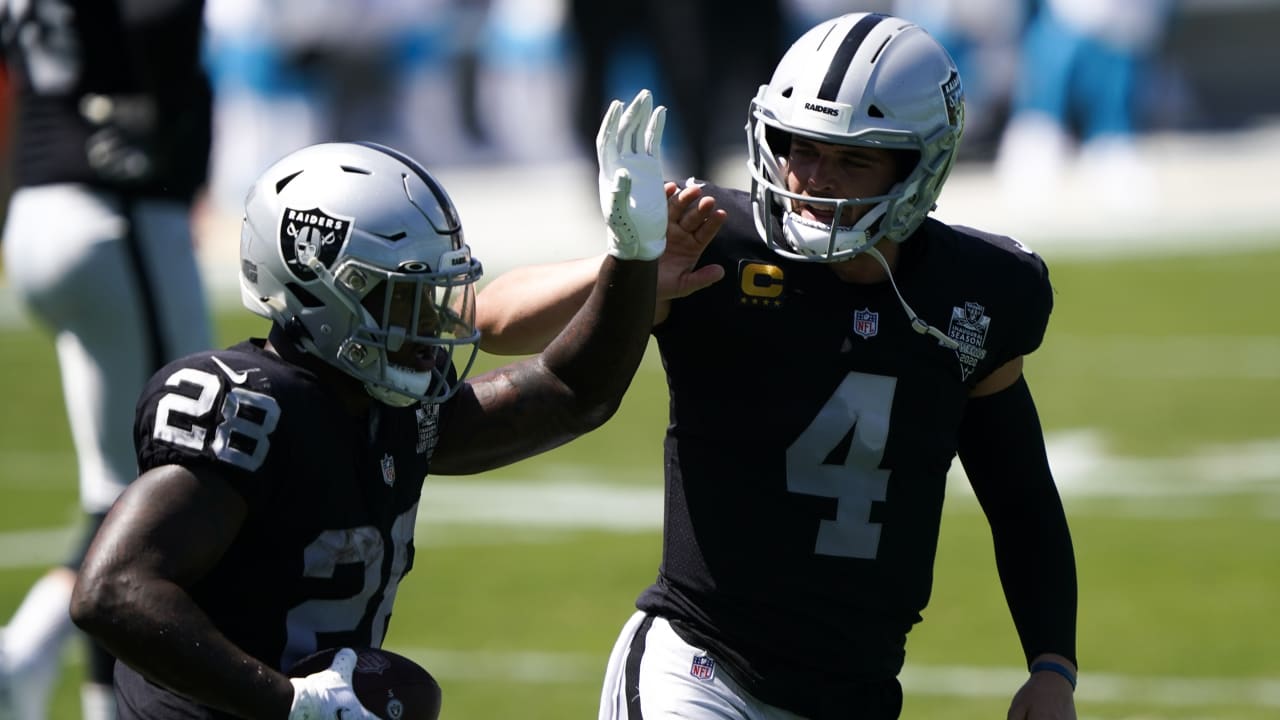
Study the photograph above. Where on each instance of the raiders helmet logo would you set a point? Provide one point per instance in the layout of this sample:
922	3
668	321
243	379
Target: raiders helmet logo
953	97
307	234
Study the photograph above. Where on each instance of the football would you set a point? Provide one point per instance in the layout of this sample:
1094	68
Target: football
391	686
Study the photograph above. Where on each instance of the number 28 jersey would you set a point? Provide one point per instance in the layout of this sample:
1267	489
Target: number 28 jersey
332	498
811	431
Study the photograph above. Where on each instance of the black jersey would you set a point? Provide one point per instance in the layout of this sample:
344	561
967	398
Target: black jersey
810	436
110	94
332	501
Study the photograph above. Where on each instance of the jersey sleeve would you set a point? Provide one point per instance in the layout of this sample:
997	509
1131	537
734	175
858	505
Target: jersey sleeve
1037	302
191	413
1025	277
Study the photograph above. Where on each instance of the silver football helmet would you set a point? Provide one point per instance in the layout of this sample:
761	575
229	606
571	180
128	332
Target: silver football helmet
358	251
860	79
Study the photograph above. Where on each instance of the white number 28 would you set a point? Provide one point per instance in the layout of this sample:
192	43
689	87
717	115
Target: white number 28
234	422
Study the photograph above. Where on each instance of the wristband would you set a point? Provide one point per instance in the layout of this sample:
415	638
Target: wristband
1053	667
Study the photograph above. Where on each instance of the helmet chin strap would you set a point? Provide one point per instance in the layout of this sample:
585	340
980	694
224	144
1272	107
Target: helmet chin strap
917	323
817	240
389	397
829	242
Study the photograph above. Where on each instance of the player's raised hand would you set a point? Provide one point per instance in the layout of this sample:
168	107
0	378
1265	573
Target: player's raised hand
692	221
328	695
629	149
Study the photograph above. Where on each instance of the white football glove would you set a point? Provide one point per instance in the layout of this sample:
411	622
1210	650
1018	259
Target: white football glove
629	148
328	695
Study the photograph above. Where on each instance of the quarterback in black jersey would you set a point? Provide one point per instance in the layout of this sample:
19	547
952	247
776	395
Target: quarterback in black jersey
829	350
280	478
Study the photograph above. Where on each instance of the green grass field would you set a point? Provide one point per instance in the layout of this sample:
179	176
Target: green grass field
1158	384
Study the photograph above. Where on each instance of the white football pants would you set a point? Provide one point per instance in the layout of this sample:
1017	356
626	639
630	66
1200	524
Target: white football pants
116	283
653	674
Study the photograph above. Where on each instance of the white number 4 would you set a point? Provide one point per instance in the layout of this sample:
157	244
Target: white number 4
862	404
233	423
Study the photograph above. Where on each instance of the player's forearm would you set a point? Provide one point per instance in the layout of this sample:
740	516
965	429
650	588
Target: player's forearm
1002	448
156	628
521	311
599	351
166	531
1038	572
574	386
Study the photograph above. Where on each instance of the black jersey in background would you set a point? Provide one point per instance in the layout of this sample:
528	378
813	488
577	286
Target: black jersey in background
109	94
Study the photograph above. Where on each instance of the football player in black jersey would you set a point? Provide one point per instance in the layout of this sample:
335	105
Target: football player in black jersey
280	478
830	349
112	130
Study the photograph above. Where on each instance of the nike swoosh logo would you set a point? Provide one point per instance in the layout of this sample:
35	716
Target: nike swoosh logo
236	378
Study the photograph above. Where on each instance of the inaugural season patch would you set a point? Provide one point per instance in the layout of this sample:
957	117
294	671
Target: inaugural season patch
305	234
968	327
428	428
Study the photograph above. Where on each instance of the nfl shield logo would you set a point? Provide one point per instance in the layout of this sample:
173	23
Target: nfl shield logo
388	470
866	323
703	668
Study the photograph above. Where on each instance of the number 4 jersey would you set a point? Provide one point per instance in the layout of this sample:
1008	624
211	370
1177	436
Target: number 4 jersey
810	437
332	498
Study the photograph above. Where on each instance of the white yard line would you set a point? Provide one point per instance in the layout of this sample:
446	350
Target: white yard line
500	508
553	668
939	680
35	548
1165	357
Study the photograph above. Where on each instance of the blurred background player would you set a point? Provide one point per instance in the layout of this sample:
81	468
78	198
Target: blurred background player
688	53
984	38
112	134
288	74
439	78
1078	97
